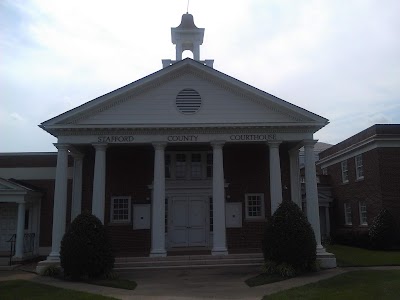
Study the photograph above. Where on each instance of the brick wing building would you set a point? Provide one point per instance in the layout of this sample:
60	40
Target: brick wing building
364	172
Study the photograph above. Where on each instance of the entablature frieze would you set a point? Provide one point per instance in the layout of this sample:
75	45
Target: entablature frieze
184	136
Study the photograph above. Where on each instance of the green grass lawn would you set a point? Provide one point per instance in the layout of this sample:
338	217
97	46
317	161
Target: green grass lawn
364	285
351	256
22	289
263	278
115	283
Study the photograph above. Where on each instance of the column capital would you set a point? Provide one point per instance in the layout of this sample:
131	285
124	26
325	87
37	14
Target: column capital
76	154
309	143
217	144
274	144
294	151
159	145
100	146
296	148
61	146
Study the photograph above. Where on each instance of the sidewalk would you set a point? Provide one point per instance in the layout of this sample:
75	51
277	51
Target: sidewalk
190	284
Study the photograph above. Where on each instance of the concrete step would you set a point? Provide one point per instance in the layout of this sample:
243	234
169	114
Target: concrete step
128	269
4	261
9	268
191	261
189	257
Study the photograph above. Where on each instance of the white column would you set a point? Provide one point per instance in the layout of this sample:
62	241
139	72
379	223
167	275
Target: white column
275	175
312	191
36	225
178	49
219	233
19	243
295	188
60	201
158	204
196	51
76	204
99	181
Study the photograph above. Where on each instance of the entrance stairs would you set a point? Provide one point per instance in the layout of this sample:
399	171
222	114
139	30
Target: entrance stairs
5	264
187	261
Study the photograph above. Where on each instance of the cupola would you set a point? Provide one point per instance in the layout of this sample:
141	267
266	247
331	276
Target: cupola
187	36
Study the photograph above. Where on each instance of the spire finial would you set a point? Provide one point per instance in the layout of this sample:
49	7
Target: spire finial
187	8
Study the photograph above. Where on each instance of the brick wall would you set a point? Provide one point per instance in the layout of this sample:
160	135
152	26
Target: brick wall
30	160
129	171
246	170
389	159
368	190
44	186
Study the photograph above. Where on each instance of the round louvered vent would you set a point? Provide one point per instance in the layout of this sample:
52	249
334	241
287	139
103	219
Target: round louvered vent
188	101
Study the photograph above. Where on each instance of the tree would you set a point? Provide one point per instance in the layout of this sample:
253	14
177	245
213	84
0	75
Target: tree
382	232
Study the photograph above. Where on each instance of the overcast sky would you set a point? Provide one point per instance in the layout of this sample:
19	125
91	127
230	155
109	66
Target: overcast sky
337	58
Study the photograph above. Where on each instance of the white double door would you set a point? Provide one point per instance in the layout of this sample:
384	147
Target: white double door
188	220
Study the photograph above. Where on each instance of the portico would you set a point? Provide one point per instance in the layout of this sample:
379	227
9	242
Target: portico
211	187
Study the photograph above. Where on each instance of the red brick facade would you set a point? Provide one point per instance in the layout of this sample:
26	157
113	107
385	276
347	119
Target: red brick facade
379	147
44	186
129	172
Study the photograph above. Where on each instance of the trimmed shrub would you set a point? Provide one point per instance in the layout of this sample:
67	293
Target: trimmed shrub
85	248
51	271
382	232
289	242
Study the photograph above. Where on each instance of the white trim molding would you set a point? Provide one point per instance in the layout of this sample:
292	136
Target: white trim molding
357	149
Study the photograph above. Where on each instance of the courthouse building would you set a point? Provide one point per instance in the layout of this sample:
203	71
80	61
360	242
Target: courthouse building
184	158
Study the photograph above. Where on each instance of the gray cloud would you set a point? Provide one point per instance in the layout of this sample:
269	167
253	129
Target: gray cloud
339	59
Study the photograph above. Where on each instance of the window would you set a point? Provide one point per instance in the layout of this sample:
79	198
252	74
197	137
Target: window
26	220
166	215
363	213
120	209
180	166
325	171
211	215
345	172
347	214
188	165
304	208
359	167
167	166
254	206
195	166
209	165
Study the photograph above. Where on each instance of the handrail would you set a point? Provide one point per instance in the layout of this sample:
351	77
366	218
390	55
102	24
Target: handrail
28	244
12	247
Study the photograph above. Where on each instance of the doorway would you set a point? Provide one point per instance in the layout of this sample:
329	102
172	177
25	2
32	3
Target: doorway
188	221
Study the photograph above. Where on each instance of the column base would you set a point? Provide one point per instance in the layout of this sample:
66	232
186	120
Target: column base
17	259
43	265
325	259
53	256
158	253
219	251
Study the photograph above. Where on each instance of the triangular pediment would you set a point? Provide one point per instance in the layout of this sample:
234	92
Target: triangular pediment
152	102
9	185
